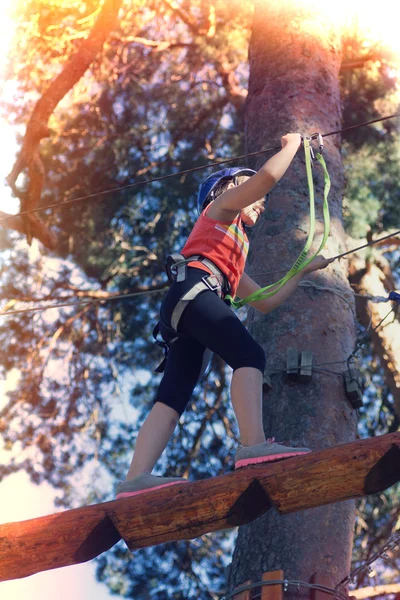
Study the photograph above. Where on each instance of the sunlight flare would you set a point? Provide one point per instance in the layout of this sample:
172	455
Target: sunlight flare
375	24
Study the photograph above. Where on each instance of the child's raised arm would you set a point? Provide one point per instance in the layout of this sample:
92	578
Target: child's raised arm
257	186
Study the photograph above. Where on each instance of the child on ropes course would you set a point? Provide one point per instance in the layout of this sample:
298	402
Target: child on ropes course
195	320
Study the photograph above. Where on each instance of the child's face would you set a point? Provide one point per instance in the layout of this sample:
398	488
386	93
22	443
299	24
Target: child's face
250	214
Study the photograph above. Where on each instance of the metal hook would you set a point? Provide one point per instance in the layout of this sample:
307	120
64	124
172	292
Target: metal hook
320	140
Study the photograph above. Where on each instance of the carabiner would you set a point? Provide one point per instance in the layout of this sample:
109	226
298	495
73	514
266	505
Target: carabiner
320	143
320	140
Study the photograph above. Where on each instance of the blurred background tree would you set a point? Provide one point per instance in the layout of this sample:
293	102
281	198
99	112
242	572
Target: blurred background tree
165	92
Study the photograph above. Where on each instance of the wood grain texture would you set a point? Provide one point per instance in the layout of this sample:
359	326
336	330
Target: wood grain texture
189	510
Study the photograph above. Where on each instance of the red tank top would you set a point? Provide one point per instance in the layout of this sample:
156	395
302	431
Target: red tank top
225	244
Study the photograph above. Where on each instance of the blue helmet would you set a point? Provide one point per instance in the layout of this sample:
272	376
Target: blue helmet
207	188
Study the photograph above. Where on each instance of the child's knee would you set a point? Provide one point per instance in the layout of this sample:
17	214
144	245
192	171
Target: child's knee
253	357
260	358
177	407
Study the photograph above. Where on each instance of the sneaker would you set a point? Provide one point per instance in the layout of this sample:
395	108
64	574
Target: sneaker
269	451
144	483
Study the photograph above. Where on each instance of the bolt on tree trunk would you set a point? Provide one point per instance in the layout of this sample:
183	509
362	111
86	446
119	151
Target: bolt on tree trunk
295	58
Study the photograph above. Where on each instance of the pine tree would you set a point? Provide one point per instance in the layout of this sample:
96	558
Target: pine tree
167	93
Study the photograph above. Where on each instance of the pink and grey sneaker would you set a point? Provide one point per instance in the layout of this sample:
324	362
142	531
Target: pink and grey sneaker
144	483
269	451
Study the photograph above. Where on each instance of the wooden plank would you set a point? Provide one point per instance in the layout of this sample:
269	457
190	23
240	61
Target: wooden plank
325	579
348	471
189	510
272	592
66	538
246	594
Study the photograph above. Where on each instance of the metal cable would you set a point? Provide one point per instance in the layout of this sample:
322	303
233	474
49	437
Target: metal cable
184	172
338	592
80	302
134	185
286	584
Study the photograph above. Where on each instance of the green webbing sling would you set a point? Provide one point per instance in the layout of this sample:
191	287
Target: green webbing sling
301	262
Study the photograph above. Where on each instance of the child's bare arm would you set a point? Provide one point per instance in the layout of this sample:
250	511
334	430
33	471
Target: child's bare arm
263	181
247	286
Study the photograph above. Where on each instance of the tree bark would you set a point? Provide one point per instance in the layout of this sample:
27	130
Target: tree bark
189	510
295	57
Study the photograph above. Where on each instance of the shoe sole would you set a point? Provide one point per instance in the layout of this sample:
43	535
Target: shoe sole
151	489
262	459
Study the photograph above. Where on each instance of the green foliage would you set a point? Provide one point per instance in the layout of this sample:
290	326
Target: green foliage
142	110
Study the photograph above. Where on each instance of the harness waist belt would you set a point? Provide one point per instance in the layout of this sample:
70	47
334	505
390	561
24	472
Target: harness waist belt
176	267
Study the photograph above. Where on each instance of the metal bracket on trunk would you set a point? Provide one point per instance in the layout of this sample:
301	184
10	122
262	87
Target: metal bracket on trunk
299	365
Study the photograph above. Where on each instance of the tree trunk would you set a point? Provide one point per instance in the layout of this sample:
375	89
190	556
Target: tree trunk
192	509
376	279
294	64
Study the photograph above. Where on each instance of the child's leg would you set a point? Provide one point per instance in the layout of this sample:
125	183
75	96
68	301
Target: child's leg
246	396
152	439
214	325
183	367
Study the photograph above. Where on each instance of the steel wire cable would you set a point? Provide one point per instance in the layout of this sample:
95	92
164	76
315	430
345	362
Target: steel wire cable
385	237
286	583
6	313
338	592
134	185
59	205
140	183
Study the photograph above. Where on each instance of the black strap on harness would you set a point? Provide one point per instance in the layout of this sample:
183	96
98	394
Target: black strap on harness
176	268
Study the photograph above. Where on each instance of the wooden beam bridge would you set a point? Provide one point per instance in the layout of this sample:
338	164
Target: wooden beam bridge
189	510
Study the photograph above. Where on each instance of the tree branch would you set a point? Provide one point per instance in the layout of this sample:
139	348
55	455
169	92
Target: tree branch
358	63
89	294
371	280
376	590
158	45
184	16
36	228
37	128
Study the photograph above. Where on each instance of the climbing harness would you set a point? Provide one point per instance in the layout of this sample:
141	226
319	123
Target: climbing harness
393	296
301	261
176	268
176	264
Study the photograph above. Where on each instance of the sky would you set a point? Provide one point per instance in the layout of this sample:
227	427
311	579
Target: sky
21	500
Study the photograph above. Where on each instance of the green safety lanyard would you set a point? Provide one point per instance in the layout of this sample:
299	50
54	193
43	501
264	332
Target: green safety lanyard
301	261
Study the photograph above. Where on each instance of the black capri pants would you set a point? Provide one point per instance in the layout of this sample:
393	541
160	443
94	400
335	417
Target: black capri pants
207	323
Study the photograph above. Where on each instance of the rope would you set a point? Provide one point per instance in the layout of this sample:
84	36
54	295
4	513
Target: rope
301	262
58	205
